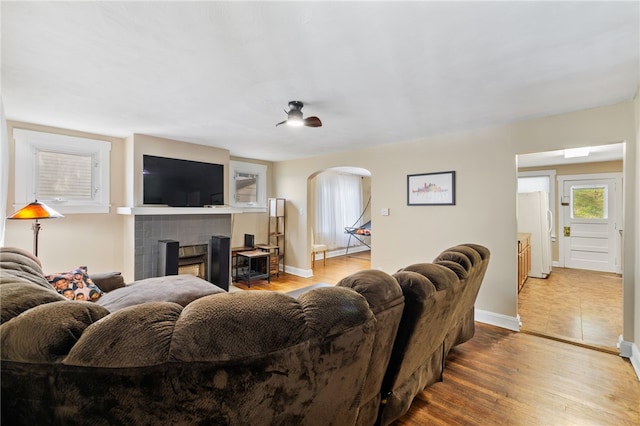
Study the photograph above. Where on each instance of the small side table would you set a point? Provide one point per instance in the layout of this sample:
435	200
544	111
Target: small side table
274	261
250	274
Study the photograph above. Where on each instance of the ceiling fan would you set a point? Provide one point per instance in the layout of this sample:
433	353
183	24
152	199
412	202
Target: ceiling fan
294	116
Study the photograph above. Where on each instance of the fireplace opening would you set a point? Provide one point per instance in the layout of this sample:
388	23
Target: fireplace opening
192	260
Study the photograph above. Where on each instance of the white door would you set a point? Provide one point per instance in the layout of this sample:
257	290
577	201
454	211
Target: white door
589	233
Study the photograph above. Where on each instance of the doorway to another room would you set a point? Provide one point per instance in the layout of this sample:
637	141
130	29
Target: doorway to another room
339	209
580	301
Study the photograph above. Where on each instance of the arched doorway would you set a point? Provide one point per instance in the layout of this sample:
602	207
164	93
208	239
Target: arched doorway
338	198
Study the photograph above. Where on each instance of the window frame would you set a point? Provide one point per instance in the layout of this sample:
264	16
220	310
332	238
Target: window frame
27	145
260	170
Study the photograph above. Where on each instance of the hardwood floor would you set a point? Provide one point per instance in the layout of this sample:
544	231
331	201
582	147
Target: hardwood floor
335	269
501	377
577	306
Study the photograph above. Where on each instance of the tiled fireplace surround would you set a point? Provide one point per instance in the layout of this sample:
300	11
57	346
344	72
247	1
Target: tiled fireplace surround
191	229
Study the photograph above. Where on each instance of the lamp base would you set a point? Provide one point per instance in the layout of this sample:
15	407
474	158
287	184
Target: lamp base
36	230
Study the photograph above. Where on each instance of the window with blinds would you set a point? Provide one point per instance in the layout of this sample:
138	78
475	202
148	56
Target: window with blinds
64	176
69	173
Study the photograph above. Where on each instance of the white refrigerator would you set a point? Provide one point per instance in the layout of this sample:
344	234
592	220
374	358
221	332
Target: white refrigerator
535	218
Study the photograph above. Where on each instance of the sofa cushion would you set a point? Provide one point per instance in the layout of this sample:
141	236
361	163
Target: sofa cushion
134	336
180	289
20	265
108	281
19	296
439	275
23	339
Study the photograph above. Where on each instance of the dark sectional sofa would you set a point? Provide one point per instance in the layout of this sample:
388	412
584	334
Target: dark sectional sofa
144	353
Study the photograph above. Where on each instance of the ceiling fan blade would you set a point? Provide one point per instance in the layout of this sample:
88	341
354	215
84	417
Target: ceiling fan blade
312	122
282	122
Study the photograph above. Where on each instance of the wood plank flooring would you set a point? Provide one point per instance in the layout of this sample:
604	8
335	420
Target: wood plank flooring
335	269
581	307
501	377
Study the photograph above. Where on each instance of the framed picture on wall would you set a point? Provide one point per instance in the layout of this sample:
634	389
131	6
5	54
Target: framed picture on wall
431	189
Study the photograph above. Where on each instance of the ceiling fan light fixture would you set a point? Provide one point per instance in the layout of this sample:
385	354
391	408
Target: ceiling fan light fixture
295	122
295	118
294	115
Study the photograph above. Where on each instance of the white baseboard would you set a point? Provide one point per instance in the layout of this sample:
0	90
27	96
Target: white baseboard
308	273
630	350
342	252
352	250
304	273
499	320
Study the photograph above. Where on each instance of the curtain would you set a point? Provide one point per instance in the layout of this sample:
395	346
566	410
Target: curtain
338	204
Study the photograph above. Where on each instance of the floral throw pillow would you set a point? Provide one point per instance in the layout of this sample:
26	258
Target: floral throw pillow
75	285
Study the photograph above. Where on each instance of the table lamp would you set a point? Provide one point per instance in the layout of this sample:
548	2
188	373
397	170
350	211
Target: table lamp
35	210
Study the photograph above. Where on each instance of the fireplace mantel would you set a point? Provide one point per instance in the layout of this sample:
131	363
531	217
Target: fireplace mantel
137	211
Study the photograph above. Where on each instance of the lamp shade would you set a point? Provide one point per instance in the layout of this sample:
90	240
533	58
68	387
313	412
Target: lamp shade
36	210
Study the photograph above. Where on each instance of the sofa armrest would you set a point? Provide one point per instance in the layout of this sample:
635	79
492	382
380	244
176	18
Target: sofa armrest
108	281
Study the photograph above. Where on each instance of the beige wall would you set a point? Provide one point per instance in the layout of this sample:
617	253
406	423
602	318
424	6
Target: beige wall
485	211
94	240
573	169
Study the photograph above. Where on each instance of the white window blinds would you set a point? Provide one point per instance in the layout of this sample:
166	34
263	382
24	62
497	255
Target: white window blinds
64	176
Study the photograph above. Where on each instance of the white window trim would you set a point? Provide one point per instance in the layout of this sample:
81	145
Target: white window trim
27	144
252	168
551	174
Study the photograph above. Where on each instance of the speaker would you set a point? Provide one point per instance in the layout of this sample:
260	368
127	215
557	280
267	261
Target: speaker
168	257
249	240
220	261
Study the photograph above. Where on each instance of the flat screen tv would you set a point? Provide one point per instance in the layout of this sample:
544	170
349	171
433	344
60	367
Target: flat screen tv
182	183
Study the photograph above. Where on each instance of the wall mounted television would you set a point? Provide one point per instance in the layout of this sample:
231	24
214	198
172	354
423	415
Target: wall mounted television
181	183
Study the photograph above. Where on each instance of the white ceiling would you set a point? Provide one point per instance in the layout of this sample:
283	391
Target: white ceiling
221	73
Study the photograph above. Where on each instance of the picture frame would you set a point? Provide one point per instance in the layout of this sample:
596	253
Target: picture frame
431	189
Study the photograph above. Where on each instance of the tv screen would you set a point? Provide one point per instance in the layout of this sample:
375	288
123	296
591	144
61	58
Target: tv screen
182	183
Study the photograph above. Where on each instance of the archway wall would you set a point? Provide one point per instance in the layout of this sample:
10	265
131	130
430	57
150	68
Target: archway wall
484	213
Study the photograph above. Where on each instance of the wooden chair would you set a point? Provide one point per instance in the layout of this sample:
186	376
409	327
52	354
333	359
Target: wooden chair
317	248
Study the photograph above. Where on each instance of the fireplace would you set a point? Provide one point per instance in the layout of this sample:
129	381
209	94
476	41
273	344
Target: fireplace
184	230
192	260
209	261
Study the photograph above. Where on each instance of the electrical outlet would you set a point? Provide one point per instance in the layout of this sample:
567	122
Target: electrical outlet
384	211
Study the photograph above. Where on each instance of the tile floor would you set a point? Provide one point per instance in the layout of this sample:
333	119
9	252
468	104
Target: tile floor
583	307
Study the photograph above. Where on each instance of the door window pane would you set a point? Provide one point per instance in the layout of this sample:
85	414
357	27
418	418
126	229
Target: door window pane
589	202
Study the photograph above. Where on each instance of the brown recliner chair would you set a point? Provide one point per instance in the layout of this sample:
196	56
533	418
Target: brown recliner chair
438	314
386	300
